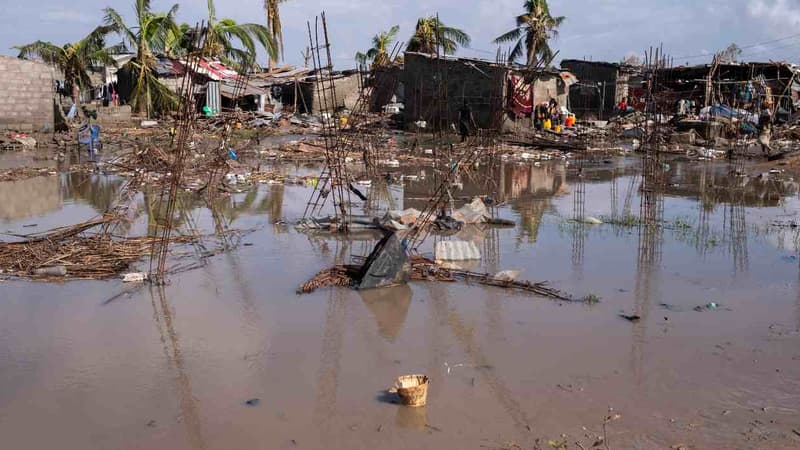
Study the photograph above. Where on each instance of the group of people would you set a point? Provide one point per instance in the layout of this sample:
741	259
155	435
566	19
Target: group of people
547	115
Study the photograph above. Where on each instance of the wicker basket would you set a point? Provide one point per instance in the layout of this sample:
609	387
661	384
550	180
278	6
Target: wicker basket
413	389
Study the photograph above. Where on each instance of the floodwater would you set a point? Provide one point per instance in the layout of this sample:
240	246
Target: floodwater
104	365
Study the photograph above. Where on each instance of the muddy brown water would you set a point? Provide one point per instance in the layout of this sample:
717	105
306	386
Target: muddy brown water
106	365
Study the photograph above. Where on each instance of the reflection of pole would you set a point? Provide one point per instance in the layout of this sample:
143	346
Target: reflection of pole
465	335
190	410
330	359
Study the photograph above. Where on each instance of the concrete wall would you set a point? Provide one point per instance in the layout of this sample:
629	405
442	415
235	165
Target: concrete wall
549	86
347	93
596	95
113	115
479	84
26	95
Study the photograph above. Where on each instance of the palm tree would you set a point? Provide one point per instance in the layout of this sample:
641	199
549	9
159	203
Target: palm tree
222	32
152	33
361	59
272	8
379	53
534	29
74	60
431	34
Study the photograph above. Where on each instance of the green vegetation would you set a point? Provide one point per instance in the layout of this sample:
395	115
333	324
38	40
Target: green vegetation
147	36
75	59
431	34
535	27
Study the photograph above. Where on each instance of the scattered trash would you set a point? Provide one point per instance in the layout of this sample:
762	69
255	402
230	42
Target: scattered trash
412	390
507	275
669	307
591	299
630	318
25	140
148	123
707	307
589	220
53	271
449	367
134	277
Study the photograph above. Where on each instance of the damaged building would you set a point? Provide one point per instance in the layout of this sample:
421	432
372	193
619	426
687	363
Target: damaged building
602	86
494	92
26	95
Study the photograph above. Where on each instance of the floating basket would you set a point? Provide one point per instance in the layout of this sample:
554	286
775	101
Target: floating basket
413	389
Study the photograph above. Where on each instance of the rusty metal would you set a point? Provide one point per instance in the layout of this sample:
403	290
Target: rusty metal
169	193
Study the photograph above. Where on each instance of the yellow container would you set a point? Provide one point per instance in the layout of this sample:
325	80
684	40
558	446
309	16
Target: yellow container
557	129
547	124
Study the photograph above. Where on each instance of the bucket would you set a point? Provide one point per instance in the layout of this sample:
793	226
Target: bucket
413	389
547	124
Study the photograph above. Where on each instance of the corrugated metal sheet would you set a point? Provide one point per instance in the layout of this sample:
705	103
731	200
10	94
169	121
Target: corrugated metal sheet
456	251
213	99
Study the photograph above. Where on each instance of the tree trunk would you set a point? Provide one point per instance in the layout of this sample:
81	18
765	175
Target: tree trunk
76	99
532	55
269	26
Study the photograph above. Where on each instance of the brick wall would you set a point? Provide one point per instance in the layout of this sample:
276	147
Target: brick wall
26	95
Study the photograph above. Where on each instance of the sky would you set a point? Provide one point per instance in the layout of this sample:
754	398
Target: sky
601	30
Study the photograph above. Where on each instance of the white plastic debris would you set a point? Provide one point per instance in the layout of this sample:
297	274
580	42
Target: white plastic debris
148	123
506	275
591	220
53	271
456	251
26	141
474	212
134	277
391	163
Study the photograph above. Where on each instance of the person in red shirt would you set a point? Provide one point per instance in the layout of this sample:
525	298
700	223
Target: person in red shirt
623	105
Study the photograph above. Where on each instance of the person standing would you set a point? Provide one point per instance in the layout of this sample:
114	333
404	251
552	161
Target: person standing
465	121
765	127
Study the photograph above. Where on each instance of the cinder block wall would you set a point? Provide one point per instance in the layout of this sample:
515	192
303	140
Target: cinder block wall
346	93
480	85
26	95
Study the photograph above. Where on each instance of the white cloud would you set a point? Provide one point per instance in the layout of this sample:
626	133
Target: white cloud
779	16
65	15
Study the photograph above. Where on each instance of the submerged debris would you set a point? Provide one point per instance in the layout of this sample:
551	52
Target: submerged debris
71	252
424	269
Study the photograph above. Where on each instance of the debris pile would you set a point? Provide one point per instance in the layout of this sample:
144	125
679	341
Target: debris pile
74	253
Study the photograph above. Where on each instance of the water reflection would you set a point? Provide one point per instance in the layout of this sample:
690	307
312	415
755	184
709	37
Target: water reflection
389	307
29	198
412	418
163	316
